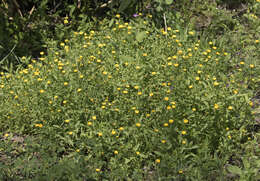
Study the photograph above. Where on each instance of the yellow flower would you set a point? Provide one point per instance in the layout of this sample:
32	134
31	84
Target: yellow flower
79	90
166	98
153	73
257	41
66	83
252	65
171	121
118	15
235	91
89	123
183	142
125	92
67	121
136	111
183	132
97	170
138	124
115	152
144	54
185	121
42	91
139	93
216	83
38	125
163	141
66	21
138	153
190	86
151	94
180	171
113	132
216	106
230	107
94	117
191	33
251	103
165	124
157	160
197	78
193	109
6	134
121	128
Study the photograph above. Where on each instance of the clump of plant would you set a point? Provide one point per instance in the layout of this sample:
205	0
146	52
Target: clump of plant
128	101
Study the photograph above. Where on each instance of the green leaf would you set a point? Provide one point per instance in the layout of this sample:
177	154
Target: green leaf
124	5
168	2
126	58
234	169
246	163
159	8
140	36
111	23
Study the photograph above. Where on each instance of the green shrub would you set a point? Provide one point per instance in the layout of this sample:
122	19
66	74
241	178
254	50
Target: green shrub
127	102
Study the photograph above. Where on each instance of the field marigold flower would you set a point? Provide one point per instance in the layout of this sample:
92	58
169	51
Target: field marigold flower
163	141
216	83
138	124
183	132
185	121
191	33
216	106
157	160
230	107
39	125
171	121
115	152
97	170
67	121
165	124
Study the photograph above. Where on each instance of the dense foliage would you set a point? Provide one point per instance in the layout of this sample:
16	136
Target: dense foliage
130	96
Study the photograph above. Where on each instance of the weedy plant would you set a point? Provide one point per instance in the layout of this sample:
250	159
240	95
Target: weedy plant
129	102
